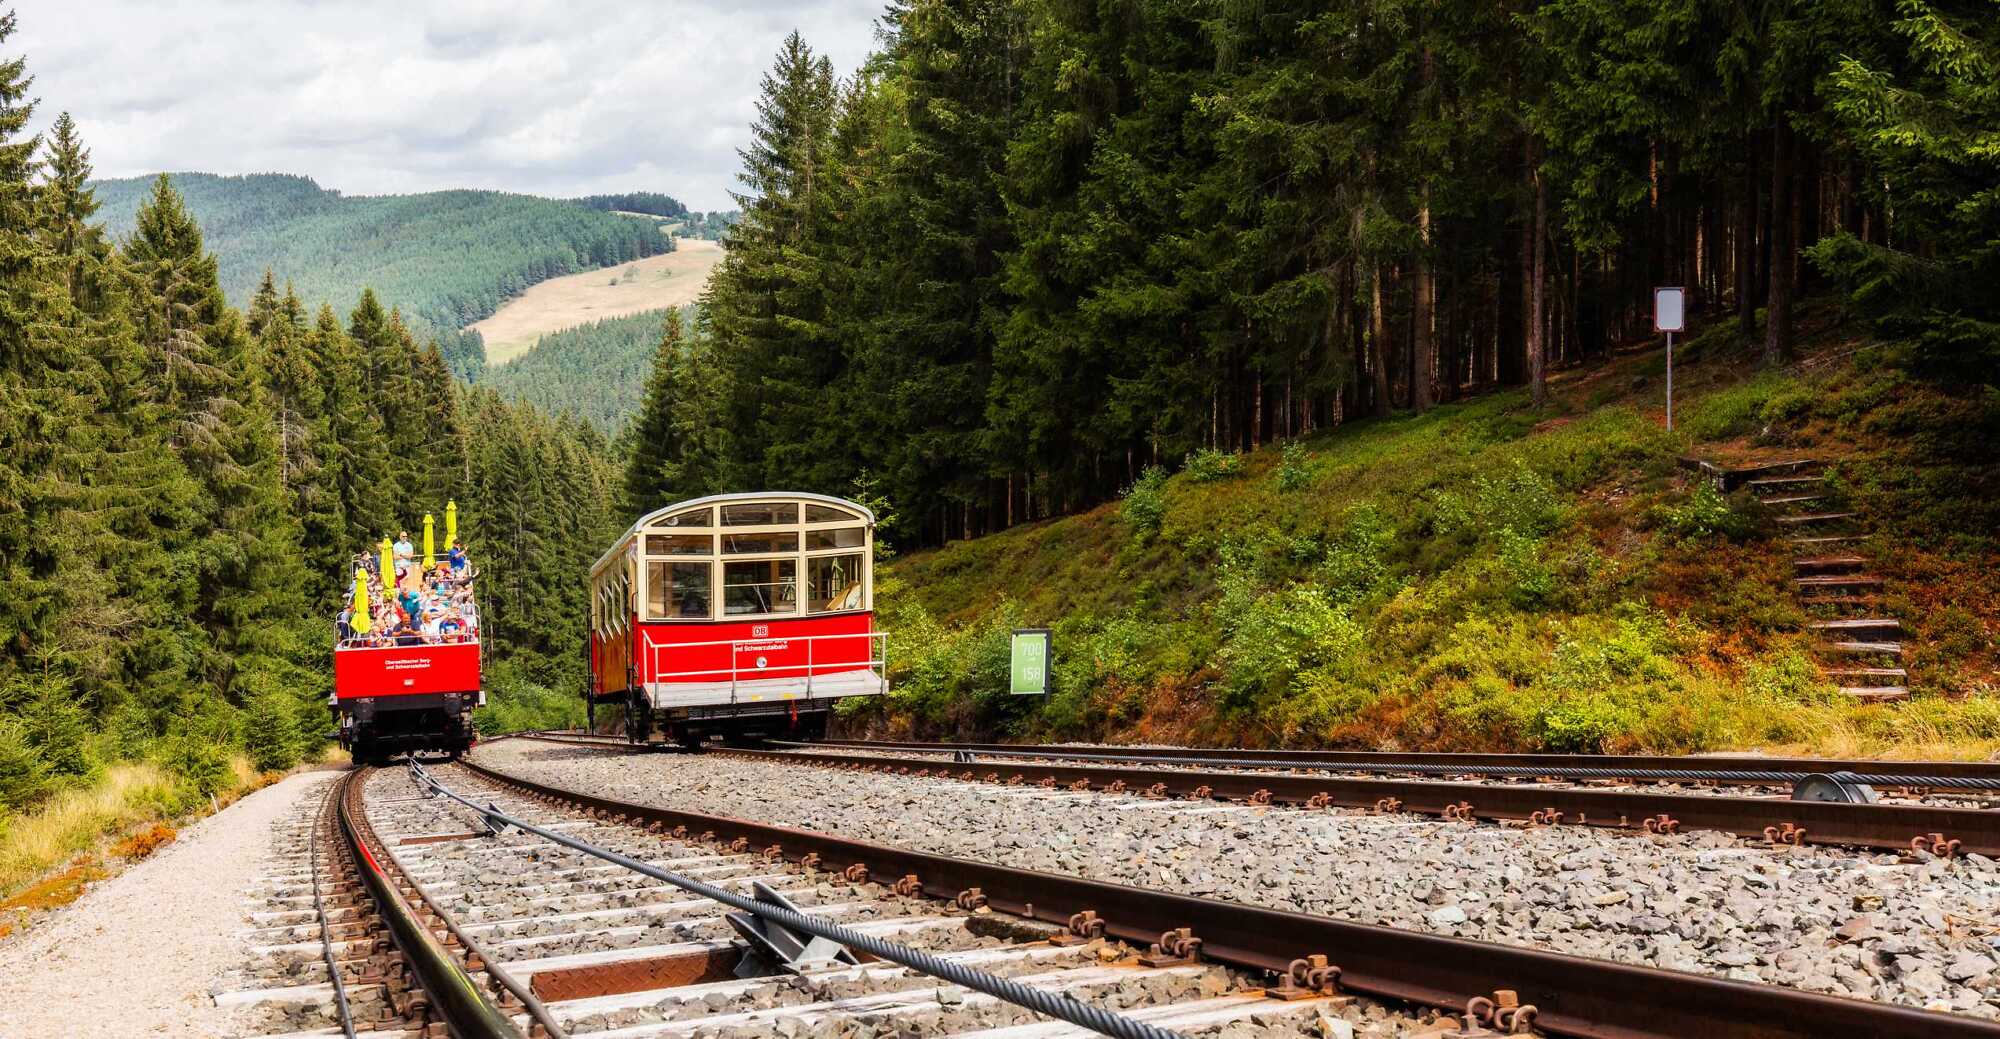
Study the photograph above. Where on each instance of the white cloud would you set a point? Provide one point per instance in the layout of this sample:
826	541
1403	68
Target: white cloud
373	96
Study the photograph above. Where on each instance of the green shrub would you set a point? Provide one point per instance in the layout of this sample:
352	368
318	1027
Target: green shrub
200	763
56	725
517	703
1355	564
1294	467
1208	465
1706	514
1145	503
23	777
270	734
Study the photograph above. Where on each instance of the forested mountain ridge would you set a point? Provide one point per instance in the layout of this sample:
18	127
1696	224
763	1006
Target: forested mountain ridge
183	486
1035	246
445	258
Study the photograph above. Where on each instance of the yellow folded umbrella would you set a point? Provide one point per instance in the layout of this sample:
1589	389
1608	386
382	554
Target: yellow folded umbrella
430	546
359	622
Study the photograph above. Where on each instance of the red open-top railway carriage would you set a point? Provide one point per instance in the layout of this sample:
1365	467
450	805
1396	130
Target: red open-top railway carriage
736	615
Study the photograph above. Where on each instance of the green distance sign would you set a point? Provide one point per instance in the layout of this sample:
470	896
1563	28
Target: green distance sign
1028	670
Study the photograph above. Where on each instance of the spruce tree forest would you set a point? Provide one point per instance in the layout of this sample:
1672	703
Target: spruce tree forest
1034	247
183	484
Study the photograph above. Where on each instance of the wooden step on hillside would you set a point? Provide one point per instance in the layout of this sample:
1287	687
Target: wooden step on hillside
1829	582
1864	628
1887	649
1866	676
1816	517
1808	544
1728	478
1777	483
1790	499
1876	693
1829	564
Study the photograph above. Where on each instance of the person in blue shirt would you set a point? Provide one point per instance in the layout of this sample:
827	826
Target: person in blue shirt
456	557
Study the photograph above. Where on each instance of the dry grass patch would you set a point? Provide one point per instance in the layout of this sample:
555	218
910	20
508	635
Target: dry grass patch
669	280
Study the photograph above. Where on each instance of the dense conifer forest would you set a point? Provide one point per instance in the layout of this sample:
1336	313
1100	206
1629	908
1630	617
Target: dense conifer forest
447	258
595	372
183	483
1034	247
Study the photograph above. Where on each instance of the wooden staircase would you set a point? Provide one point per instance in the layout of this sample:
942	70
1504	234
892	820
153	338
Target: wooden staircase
1861	649
1832	582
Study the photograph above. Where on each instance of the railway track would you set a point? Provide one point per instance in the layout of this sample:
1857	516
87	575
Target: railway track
602	950
1612	764
1910	826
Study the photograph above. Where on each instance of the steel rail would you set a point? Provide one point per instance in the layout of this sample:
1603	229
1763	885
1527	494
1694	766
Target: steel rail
1574	996
454	996
1889	827
1984	774
1042	1001
319	909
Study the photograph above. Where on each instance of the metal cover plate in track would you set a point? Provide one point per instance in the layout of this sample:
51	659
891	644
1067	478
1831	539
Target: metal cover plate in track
442	838
611	979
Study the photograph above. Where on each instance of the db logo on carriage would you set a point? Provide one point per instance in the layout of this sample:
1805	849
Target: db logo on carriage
758	631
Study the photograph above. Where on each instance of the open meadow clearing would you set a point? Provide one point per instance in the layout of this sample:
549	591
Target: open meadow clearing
669	280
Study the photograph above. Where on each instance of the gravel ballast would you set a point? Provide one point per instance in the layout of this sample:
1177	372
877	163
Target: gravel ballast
137	954
1923	934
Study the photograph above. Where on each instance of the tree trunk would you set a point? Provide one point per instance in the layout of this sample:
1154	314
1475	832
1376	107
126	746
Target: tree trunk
1746	244
1778	308
1424	338
1378	334
1539	296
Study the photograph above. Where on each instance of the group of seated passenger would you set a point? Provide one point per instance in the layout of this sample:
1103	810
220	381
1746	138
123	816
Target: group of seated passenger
414	607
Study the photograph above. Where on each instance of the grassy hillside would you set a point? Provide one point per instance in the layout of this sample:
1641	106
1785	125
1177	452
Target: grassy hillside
448	258
1487	576
672	280
595	371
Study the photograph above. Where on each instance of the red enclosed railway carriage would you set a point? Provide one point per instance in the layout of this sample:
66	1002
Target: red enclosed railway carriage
737	615
406	674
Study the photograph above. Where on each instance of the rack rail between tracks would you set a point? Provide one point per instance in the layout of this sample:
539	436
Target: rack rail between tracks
1575	996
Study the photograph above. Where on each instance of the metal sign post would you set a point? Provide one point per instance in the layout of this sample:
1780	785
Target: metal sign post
1028	663
1670	316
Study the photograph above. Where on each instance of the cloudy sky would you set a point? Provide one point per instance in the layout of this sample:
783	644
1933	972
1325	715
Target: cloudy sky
553	98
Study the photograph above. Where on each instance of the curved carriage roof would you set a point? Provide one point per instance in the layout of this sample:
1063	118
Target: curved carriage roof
723	499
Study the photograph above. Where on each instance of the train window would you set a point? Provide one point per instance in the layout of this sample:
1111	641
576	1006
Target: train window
834	537
760	586
677	590
680	544
691	518
827	514
762	541
772	514
833	583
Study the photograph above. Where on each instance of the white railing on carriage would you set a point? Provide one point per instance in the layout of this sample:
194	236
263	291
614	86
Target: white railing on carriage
878	658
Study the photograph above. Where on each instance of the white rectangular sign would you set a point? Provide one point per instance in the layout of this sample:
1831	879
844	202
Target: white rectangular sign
1670	310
